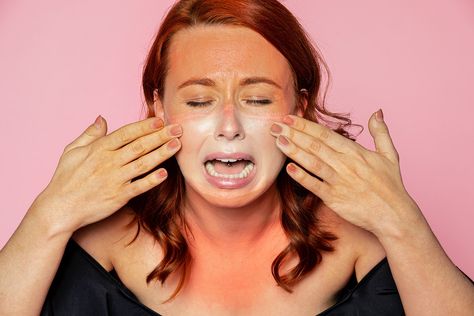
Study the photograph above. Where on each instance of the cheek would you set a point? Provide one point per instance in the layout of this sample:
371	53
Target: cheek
194	134
264	144
195	129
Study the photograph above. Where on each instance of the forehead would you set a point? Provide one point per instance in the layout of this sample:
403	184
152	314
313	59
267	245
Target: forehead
221	51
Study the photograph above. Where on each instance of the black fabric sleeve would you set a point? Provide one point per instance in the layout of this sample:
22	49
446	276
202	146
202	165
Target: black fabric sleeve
83	287
375	294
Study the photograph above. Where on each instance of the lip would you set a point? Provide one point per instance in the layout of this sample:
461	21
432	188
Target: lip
236	183
222	155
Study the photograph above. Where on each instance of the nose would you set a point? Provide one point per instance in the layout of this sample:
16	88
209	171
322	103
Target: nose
229	126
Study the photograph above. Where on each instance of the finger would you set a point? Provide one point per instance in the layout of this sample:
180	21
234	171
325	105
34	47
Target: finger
308	143
312	184
95	131
145	144
144	184
150	160
310	162
130	132
336	141
383	141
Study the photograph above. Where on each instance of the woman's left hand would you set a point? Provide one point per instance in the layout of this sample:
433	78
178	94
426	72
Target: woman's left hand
362	186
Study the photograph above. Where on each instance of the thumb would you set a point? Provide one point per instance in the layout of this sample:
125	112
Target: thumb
93	132
383	142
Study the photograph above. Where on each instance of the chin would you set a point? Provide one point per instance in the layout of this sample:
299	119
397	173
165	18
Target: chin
228	198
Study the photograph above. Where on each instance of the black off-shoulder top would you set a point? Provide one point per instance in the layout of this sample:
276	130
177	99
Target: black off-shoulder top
82	287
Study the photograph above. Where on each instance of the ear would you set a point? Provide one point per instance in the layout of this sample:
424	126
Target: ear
157	106
302	102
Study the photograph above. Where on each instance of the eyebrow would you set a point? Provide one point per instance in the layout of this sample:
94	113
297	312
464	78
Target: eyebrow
244	82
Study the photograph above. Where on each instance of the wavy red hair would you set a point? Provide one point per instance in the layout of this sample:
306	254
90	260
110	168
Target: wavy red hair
158	211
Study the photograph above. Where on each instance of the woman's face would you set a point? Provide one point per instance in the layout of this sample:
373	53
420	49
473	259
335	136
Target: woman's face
225	85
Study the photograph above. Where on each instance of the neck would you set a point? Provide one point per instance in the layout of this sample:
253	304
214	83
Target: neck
236	229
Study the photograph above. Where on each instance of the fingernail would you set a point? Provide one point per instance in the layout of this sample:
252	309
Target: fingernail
97	121
283	140
158	123
173	144
291	168
162	173
379	115
176	130
276	128
288	120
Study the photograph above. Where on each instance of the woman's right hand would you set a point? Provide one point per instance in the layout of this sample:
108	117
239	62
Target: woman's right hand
93	176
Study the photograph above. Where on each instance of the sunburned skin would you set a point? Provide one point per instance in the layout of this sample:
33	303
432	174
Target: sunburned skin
225	96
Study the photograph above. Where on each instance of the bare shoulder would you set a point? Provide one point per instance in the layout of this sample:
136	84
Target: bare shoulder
368	250
102	238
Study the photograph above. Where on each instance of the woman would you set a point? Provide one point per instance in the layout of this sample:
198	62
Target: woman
245	202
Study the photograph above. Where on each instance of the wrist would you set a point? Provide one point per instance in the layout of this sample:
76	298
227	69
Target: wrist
409	224
50	221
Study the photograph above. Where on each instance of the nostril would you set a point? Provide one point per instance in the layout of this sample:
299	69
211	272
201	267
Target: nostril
231	136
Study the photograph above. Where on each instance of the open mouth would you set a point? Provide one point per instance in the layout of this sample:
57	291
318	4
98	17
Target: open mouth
229	168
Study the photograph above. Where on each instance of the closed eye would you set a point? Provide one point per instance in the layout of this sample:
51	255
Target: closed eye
249	101
260	101
197	103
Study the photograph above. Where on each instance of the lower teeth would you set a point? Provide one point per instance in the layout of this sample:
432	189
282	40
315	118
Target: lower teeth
243	174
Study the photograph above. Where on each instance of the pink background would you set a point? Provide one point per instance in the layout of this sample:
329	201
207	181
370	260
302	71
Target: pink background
64	62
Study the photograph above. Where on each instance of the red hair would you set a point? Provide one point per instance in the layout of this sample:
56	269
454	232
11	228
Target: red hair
159	210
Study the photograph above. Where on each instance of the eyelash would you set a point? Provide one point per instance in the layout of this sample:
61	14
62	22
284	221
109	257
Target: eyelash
198	104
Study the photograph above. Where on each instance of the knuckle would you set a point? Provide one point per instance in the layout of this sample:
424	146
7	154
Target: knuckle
293	151
291	133
133	190
89	133
139	165
152	180
161	138
325	134
143	129
315	147
162	153
159	155
330	174
137	148
123	135
315	164
143	185
302	125
364	159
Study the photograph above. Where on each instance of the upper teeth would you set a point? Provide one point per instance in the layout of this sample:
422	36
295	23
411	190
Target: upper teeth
227	160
